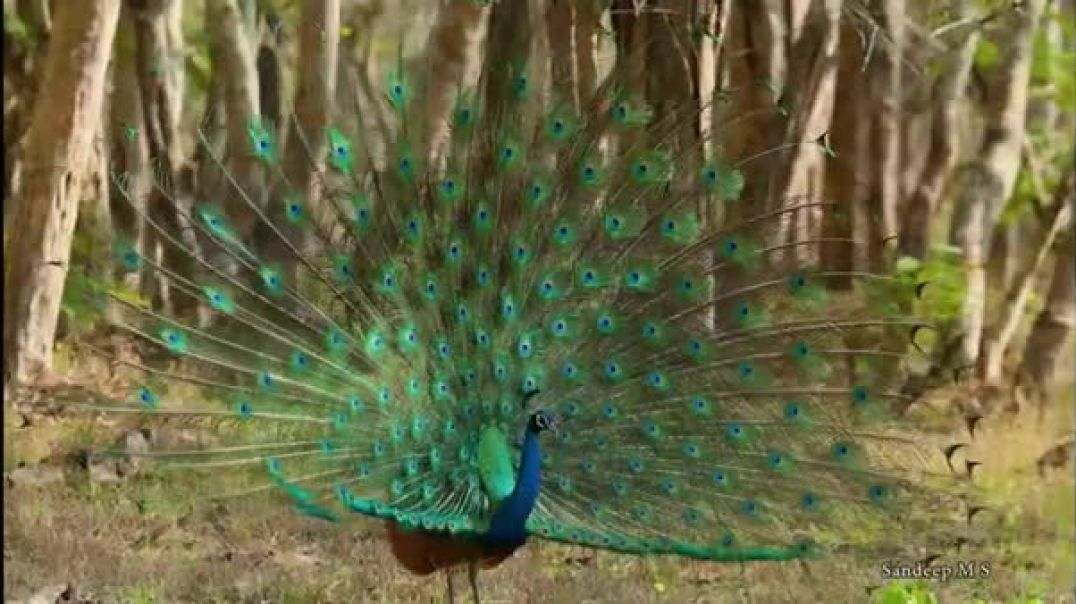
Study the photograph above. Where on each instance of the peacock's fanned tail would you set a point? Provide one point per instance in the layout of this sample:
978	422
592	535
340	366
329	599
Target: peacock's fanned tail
716	398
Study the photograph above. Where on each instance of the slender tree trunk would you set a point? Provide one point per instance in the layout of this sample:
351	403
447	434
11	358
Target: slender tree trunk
129	153
271	81
999	336
847	174
945	126
1055	324
754	54
236	72
213	124
451	56
509	40
712	18
58	147
559	30
671	67
631	39
585	35
887	94
22	71
303	161
92	240
160	83
809	91
988	179
756	43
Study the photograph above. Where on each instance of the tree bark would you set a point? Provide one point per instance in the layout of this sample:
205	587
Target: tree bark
1000	335
587	20
847	175
810	86
57	151
988	180
886	95
236	72
757	46
508	47
671	67
91	247
303	161
945	125
129	153
558	22
631	37
160	83
1054	326
451	54
22	70
271	82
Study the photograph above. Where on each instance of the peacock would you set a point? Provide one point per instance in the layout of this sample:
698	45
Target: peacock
560	326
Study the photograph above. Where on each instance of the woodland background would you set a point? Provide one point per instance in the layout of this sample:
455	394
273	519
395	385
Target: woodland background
952	129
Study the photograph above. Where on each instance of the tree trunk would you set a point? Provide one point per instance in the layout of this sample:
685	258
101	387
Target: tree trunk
160	83
587	20
271	82
809	91
58	146
847	174
303	161
988	180
1053	328
998	338
129	153
22	71
451	56
509	41
757	70
558	22
886	96
91	245
946	120
235	70
671	68
631	39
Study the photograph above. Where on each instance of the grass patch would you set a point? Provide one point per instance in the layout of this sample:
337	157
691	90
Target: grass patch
144	540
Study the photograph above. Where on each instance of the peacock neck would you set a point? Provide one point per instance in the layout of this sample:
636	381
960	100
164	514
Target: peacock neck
507	528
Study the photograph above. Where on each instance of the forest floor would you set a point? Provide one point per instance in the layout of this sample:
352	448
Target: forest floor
71	536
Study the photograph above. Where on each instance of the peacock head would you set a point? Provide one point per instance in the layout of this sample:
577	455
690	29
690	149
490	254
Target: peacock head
541	421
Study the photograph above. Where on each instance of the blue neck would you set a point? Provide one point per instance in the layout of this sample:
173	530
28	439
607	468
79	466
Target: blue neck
508	526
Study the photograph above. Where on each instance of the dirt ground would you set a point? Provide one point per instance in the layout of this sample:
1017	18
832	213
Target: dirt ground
77	536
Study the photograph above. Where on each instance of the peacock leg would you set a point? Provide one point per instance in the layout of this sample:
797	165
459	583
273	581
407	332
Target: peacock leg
451	588
472	575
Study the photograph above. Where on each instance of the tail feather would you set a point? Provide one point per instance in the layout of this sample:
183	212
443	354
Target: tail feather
718	400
